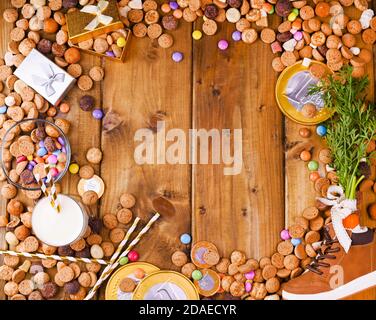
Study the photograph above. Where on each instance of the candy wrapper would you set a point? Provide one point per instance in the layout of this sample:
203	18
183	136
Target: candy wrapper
93	20
45	77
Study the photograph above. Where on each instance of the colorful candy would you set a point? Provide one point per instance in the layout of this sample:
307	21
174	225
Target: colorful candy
98	114
321	130
196	275
222	44
185	238
197	35
248	286
74	168
3	109
313	165
121	42
250	275
236	35
285	234
123	261
305	155
133	255
177	56
296	241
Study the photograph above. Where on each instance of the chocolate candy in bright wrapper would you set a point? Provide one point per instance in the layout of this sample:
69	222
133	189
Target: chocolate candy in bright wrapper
166	285
209	284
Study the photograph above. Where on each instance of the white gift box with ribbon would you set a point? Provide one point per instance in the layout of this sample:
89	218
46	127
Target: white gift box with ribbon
45	77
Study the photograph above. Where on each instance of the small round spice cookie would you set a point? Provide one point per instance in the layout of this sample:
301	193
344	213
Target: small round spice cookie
96	251
209	27
187	269
317	71
238	257
269	271
26	287
299	251
211	257
242	24
306	12
267	35
277	64
10	261
124	215
310	213
233	15
117	235
154	31
84	279
283	273
310	251
108	248
96	73
285	247
237	289
35	295
76	269
140	30
127	200
85	83
302	222
272	285
277	260
291	262
151	17
165	41
110	221
135	15
249	35
100	45
223	265
94	155
312	236
189	15
66	274
11	288
90	198
31	244
87	44
369	36
296	231
78	245
264	261
6	273
94	239
75	70
86	172
127	285
179	258
318	38
149	5
288	58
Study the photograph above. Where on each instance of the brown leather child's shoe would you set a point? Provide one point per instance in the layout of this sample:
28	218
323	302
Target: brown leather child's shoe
334	274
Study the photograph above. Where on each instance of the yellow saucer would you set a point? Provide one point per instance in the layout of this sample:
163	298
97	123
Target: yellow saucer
286	107
166	285
112	288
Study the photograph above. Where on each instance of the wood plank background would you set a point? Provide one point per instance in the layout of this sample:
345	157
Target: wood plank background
209	89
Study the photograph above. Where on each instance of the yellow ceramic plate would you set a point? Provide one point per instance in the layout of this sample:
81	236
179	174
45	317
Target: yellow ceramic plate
112	289
166	285
286	107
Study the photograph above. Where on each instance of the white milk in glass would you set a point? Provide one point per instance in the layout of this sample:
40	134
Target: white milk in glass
58	228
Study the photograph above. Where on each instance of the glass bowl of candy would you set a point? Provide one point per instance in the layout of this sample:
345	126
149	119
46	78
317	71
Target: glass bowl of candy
33	150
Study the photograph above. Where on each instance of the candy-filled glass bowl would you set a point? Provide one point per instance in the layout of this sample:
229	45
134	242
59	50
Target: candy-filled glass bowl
32	148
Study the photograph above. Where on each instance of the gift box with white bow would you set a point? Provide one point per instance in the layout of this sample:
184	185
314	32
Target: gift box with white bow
93	20
45	77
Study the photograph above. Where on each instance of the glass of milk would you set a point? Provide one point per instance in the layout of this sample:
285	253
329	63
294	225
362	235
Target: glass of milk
59	228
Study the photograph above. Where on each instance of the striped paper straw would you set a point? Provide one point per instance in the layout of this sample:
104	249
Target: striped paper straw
53	256
53	193
111	267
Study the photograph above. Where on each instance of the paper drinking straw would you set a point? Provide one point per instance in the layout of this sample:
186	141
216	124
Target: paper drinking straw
111	267
53	257
53	193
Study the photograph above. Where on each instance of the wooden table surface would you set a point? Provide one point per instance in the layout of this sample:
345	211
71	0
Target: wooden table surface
209	89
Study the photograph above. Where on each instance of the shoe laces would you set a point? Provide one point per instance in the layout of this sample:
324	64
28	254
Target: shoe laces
322	255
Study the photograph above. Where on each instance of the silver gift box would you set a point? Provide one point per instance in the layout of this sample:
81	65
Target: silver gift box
45	77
